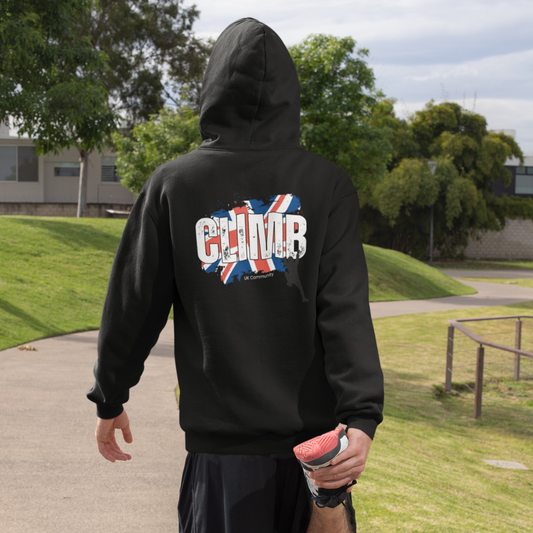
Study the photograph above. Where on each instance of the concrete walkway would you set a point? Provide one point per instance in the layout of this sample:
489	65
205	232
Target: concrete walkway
489	294
488	273
52	478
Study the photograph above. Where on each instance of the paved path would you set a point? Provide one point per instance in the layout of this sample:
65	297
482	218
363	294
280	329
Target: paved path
488	273
52	478
489	294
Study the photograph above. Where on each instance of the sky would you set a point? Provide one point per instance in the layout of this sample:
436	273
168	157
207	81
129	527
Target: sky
476	53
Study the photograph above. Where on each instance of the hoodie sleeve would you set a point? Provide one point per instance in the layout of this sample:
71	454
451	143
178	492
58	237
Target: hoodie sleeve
139	297
351	356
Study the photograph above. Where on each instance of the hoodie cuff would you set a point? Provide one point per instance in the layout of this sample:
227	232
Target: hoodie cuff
106	412
367	426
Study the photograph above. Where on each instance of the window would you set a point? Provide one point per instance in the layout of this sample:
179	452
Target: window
524	184
67	169
524	180
109	169
18	163
8	163
524	170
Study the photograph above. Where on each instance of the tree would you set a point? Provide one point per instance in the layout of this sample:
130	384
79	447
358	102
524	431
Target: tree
337	94
50	79
153	55
396	212
164	137
337	98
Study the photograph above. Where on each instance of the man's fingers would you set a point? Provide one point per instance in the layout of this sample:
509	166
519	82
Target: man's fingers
339	480
340	474
346	454
114	449
112	452
342	470
105	452
126	434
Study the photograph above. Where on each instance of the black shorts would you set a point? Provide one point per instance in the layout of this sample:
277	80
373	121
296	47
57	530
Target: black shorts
244	494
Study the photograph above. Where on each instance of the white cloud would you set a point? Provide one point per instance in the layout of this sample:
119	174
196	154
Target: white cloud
419	49
380	23
506	76
447	71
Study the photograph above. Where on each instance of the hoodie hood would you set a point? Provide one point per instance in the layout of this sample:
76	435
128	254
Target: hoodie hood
250	93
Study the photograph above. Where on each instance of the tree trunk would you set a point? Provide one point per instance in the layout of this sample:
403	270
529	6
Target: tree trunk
82	193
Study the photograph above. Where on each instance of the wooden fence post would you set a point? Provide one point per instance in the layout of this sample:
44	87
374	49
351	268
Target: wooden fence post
449	360
479	381
517	345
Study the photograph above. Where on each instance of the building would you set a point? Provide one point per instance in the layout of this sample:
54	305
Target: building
522	181
48	185
516	239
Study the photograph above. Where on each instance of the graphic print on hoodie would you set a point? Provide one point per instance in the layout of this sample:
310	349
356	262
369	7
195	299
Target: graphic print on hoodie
253	237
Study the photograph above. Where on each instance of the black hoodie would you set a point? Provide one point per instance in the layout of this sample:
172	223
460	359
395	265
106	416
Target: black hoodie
255	242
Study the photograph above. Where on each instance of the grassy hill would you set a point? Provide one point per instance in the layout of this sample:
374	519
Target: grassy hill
54	272
396	276
53	275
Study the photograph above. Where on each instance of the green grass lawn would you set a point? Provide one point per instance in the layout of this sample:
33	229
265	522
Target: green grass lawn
54	272
53	275
426	471
396	276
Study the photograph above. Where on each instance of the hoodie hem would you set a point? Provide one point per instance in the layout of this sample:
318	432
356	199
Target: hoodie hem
246	445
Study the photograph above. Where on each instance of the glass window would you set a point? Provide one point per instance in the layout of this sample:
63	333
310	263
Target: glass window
27	161
67	169
529	170
520	170
524	184
109	169
8	163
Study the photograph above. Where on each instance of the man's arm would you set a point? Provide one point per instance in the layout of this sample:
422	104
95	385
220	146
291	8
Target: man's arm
139	297
351	360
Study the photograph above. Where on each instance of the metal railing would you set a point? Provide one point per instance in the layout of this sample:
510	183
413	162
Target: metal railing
517	351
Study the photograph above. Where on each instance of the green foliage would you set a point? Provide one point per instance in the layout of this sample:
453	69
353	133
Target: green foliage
396	213
164	137
152	52
337	97
400	134
408	184
50	76
53	275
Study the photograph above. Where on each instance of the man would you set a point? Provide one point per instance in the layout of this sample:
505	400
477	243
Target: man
255	243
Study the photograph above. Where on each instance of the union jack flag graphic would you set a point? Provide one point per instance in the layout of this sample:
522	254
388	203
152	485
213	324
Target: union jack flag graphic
255	236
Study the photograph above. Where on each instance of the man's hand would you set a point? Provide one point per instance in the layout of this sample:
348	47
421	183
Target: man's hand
105	437
348	465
